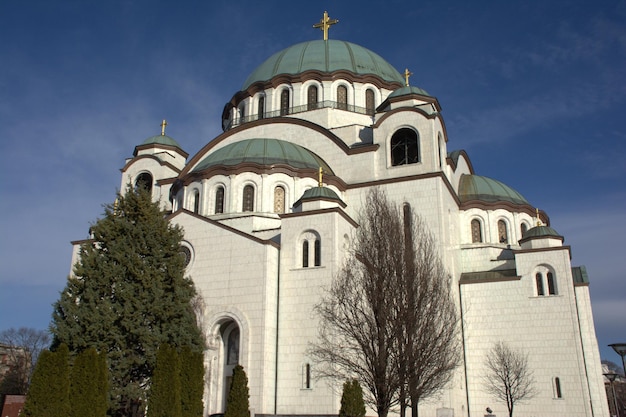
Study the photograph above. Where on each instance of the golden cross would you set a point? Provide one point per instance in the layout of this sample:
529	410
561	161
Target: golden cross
163	124
324	24
407	74
538	221
320	175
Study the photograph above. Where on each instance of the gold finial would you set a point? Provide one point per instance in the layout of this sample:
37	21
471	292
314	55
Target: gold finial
163	124
407	74
324	24
320	176
538	220
116	205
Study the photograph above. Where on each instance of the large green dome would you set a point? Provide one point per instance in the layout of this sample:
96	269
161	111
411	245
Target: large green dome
324	56
265	152
476	187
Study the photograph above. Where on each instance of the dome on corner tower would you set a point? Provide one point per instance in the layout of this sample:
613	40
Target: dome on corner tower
476	187
324	56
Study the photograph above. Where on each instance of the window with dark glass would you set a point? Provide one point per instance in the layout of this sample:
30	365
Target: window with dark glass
311	98
144	182
261	109
539	281
503	236
342	97
248	198
219	200
551	284
284	102
318	252
370	105
307	376
233	347
305	254
196	202
557	387
404	147
477	234
523	228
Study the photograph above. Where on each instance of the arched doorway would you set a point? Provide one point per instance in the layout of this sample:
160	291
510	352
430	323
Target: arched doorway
231	338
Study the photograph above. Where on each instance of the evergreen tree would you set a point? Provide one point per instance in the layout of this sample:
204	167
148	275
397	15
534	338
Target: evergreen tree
48	395
165	390
238	402
88	385
352	404
128	295
192	382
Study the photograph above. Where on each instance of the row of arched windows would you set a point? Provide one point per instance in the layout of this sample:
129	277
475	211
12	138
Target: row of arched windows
317	253
540	284
503	233
247	200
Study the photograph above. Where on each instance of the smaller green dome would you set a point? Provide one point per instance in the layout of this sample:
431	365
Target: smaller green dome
541	231
476	187
266	152
319	193
407	90
161	140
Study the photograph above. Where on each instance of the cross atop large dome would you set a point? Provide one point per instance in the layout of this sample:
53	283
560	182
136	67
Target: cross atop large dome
324	56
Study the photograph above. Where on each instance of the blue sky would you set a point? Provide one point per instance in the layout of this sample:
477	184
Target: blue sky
534	91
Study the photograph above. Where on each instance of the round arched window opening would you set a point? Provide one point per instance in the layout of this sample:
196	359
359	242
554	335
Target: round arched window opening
144	182
404	147
185	252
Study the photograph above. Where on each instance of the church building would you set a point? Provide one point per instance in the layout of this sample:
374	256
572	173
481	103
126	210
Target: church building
269	206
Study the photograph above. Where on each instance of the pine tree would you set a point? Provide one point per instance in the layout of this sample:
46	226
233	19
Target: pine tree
48	395
238	402
89	396
128	295
352	404
165	390
192	382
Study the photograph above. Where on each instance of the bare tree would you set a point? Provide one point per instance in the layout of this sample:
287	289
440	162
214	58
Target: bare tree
509	377
378	324
22	347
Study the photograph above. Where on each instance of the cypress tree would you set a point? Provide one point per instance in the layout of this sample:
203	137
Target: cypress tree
48	394
238	401
165	389
192	382
89	399
352	404
128	295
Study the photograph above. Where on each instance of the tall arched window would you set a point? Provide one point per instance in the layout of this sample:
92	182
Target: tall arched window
305	254
342	97
404	147
232	357
551	284
242	112
196	201
477	233
370	104
144	182
284	101
503	236
248	198
307	376
318	252
311	97
557	388
261	108
219	200
539	282
523	228
279	200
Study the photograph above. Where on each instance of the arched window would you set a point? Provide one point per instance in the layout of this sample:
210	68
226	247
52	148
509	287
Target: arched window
523	228
279	200
477	233
551	284
404	147
196	201
284	101
305	254
233	347
311	97
242	112
248	198
370	105
539	282
503	236
261	108
306	383
318	252
342	97
219	200
557	388
144	182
